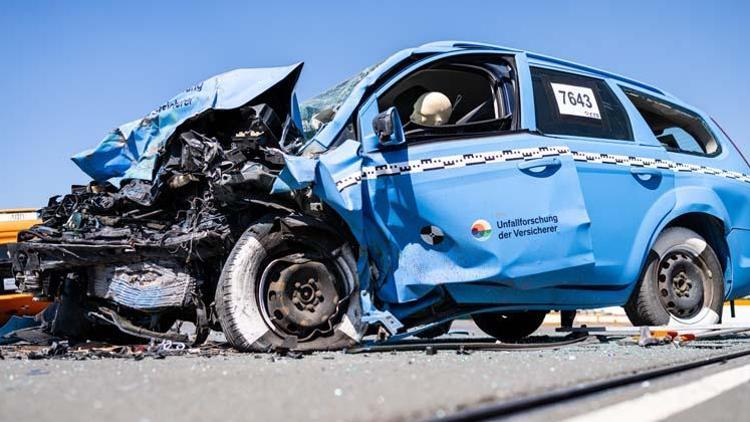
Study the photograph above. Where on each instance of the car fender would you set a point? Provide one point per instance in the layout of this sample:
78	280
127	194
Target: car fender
653	222
694	199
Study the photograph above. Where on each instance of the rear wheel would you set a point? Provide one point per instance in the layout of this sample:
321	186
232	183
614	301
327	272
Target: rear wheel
682	284
509	326
288	291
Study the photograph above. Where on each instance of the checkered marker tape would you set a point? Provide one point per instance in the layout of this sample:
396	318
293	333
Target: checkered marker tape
449	162
629	161
526	154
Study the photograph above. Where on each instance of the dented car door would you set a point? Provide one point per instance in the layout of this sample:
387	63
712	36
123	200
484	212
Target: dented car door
458	205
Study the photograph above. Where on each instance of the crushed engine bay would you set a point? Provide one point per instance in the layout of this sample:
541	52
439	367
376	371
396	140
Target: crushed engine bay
148	253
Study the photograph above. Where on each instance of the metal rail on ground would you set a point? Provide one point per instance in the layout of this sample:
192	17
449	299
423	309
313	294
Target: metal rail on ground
539	401
464	344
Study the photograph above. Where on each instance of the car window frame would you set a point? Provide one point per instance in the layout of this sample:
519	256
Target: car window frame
687	110
508	57
628	119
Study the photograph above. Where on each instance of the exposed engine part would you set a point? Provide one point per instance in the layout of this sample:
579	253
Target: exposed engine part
146	252
148	286
109	316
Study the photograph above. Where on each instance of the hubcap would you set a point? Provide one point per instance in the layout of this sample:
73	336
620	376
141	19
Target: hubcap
301	297
681	281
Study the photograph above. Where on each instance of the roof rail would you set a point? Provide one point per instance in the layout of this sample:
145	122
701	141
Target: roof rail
467	45
600	72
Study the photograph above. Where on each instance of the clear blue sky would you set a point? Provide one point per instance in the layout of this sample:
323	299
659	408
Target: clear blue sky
71	71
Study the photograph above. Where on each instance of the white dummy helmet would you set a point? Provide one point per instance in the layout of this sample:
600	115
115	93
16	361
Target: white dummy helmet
432	109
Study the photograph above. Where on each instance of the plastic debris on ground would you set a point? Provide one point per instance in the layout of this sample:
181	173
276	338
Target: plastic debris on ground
14	324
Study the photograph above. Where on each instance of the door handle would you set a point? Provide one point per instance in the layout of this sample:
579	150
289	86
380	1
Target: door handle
648	177
644	172
541	163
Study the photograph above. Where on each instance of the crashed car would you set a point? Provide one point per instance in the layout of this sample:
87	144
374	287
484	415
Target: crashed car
449	180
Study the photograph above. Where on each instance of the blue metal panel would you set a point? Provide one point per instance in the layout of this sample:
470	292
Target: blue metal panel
625	204
535	58
526	93
532	223
130	151
739	243
543	298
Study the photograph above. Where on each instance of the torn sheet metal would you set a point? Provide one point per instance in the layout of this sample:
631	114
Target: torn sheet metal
131	150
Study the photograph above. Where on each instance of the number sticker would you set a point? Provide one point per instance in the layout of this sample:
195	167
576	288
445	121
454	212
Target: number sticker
9	284
17	216
576	101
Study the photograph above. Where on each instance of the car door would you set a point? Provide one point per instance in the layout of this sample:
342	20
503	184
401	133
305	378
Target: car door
626	182
500	206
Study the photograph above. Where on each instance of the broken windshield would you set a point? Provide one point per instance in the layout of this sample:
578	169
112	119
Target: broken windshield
321	109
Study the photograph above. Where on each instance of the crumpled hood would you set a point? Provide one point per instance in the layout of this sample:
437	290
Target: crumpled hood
130	151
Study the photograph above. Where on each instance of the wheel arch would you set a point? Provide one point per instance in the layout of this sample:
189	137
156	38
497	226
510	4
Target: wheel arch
713	229
249	331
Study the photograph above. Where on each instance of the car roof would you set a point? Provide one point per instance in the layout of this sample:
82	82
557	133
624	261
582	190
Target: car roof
541	59
327	135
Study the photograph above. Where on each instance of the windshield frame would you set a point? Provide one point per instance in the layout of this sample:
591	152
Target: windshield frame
329	100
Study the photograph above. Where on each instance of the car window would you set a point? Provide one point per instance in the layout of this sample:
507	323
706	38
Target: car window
568	104
449	99
676	128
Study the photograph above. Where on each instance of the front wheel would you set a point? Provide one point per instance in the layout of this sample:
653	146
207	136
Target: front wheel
509	326
293	291
682	284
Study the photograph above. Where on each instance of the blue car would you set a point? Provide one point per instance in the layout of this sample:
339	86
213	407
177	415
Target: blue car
449	180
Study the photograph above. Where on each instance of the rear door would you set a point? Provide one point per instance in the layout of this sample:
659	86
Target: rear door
460	205
625	179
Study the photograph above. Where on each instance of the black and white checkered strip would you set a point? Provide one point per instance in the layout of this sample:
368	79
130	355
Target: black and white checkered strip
630	161
457	161
450	162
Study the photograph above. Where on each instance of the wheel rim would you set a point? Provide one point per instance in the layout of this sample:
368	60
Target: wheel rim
300	296
682	280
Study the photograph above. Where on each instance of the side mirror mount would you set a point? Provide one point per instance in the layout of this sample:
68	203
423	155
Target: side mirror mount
388	128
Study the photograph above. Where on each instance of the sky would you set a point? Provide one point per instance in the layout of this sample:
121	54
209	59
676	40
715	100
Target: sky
72	71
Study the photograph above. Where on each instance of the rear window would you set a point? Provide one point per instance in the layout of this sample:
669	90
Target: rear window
676	128
568	104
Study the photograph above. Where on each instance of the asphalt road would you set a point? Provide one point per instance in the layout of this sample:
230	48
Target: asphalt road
675	398
323	386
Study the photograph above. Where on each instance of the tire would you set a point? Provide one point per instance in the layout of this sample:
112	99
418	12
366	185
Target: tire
254	293
511	326
681	285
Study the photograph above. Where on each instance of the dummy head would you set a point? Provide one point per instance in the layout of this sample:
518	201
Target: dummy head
432	109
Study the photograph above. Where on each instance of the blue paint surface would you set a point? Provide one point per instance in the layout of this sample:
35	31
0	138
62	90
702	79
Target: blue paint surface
130	151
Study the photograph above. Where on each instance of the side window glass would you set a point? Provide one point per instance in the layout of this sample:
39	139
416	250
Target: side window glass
676	128
678	139
568	104
450	99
